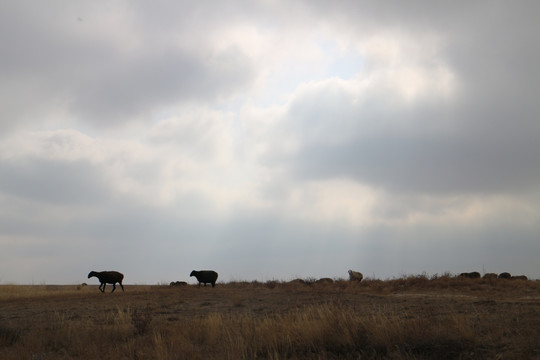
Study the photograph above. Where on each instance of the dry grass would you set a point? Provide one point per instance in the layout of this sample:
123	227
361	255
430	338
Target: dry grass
415	317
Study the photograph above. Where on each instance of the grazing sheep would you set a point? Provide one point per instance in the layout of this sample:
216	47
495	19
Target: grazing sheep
470	275
178	283
505	275
79	287
205	277
324	281
518	277
355	276
108	277
490	276
298	282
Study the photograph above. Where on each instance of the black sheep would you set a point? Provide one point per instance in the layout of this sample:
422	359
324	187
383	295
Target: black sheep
108	277
205	276
471	275
490	276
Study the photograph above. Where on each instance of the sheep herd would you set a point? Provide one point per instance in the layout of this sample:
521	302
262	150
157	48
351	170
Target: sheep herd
210	277
503	275
202	276
114	277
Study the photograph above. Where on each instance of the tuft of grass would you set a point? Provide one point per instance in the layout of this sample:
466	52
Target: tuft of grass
142	320
9	335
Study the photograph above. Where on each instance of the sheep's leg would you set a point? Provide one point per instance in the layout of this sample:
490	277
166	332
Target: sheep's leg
104	285
122	286
113	288
100	287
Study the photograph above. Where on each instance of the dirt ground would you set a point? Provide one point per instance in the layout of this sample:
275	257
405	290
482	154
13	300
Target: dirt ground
514	310
172	303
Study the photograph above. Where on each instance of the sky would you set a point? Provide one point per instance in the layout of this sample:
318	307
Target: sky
268	140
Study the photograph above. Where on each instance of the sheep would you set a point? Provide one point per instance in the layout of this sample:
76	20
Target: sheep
108	277
324	281
298	282
355	276
178	283
205	277
505	275
79	287
471	275
490	276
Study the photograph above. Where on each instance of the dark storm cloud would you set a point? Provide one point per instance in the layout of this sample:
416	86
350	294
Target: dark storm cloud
477	148
447	166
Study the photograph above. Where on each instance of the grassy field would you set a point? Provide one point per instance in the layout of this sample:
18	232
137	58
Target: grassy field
408	318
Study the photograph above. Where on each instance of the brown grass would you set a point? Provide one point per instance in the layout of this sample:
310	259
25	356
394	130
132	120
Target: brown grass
414	317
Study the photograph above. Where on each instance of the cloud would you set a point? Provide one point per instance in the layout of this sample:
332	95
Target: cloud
415	125
434	166
76	69
268	141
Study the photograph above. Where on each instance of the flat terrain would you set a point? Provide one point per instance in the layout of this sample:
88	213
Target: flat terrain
409	318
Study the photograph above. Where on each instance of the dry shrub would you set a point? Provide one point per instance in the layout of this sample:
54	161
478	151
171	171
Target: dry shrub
329	330
376	286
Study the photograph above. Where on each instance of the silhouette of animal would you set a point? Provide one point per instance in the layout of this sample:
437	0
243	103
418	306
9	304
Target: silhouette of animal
324	281
178	283
355	276
108	277
505	275
490	276
298	282
79	287
205	277
470	275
